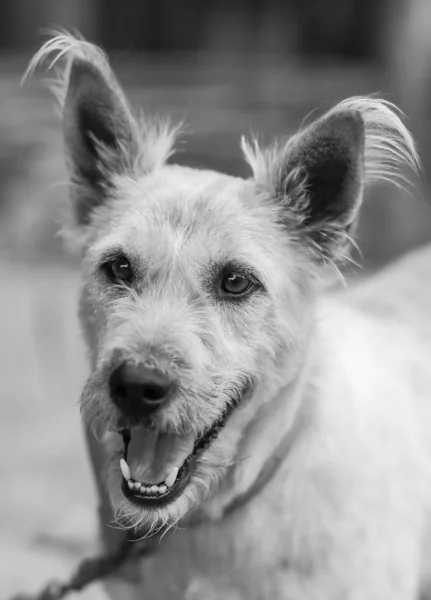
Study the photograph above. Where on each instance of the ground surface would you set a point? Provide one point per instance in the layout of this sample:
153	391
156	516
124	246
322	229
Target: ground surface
47	517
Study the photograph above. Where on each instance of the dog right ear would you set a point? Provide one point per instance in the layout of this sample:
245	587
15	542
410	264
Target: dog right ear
100	134
99	130
102	137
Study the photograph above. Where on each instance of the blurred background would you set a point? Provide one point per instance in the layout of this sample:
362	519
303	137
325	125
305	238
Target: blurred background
227	67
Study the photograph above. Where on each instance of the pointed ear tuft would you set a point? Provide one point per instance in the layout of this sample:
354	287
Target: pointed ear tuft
330	155
317	178
102	137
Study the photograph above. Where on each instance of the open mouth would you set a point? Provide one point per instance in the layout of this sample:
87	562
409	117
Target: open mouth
157	466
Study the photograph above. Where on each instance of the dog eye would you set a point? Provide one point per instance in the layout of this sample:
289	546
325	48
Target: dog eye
120	269
236	284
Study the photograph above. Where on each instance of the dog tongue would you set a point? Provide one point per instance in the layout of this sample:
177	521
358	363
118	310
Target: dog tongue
151	456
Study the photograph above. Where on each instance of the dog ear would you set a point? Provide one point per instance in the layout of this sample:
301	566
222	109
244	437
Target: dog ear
328	158
100	134
317	178
102	137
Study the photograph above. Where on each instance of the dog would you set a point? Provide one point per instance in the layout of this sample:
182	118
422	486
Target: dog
273	431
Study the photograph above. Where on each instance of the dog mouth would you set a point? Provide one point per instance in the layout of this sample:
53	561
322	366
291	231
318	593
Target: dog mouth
156	466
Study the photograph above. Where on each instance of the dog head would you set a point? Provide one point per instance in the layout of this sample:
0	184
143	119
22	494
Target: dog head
198	287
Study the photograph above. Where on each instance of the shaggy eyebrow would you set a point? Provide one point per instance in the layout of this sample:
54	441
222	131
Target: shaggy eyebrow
112	253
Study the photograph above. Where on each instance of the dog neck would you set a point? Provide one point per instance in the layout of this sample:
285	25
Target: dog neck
283	419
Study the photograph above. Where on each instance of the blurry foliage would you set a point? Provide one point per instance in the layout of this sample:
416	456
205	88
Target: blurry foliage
337	28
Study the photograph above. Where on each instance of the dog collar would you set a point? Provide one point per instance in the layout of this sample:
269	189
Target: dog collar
270	468
266	474
277	458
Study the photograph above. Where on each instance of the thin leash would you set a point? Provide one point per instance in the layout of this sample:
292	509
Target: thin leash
91	570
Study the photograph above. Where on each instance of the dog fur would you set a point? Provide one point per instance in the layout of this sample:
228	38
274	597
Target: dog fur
346	374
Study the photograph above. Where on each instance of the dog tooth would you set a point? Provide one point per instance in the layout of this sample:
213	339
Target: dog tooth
131	485
170	479
137	485
125	469
154	489
162	489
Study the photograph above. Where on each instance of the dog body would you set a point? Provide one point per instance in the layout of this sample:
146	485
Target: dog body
276	432
347	513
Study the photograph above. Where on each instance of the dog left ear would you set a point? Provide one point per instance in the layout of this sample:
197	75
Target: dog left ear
317	179
327	161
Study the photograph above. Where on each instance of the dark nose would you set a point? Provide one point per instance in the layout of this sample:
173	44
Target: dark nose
138	390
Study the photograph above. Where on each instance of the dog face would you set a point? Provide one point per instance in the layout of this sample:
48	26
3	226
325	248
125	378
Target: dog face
198	287
187	320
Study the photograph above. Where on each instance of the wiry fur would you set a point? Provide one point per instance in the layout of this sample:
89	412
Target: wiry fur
343	377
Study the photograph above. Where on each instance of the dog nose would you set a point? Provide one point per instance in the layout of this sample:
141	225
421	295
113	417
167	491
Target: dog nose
138	390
